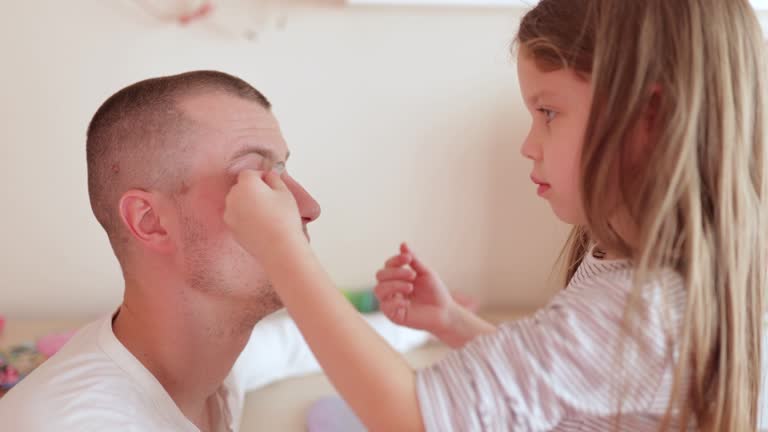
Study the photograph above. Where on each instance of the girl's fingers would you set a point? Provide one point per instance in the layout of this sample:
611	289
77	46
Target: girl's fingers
396	310
385	290
398	261
396	273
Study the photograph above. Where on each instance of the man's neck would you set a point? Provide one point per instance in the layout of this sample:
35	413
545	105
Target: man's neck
189	341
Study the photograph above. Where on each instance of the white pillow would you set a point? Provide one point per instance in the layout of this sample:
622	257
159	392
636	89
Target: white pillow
276	349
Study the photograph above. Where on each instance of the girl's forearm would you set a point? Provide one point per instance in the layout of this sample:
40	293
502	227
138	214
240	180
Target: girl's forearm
464	326
376	381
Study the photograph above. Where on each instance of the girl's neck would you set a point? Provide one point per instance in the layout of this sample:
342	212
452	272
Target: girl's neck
604	254
626	229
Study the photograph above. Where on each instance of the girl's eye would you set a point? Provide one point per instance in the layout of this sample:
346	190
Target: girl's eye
549	115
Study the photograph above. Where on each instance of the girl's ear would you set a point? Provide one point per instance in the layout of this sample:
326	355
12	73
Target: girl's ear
650	117
645	130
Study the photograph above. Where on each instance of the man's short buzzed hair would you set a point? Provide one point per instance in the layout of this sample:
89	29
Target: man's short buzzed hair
137	135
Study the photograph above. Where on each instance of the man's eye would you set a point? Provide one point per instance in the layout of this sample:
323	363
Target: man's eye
278	168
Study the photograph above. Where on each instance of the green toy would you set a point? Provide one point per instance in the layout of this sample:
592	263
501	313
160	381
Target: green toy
363	300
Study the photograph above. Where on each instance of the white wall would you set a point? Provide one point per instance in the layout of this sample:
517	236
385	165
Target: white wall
404	123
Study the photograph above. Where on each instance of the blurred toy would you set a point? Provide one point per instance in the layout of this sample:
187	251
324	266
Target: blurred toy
8	374
52	343
363	300
17	362
20	360
331	414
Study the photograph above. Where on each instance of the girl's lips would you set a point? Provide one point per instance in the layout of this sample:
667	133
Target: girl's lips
543	187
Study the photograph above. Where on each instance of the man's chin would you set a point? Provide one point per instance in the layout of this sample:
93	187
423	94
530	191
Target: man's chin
261	306
275	303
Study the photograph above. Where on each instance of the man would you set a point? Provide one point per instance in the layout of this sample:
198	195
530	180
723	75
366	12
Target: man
162	155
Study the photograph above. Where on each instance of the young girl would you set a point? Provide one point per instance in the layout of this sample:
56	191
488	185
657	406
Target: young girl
648	137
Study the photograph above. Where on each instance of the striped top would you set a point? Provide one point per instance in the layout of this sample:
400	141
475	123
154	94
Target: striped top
559	370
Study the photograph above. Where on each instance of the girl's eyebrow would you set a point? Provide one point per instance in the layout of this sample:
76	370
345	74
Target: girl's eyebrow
534	98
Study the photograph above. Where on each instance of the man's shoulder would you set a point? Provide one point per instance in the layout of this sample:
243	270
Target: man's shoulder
25	410
79	388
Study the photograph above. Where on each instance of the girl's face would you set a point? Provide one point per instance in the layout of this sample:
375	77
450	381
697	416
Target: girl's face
559	102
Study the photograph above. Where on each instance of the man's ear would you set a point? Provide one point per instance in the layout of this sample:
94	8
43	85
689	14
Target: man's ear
140	215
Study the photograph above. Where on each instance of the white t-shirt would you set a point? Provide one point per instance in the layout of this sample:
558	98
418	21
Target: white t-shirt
95	384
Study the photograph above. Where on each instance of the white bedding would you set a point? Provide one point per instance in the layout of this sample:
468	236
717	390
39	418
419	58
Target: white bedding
276	349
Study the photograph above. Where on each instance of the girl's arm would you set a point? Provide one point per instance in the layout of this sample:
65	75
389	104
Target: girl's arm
374	379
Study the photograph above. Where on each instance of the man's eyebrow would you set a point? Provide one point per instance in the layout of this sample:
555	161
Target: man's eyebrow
264	152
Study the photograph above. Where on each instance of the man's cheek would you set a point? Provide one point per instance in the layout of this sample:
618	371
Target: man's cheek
211	201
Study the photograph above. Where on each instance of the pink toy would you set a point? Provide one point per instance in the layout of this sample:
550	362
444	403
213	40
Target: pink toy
51	344
8	375
205	9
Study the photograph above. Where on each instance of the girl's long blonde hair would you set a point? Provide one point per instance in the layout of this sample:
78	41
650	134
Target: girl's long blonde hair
697	194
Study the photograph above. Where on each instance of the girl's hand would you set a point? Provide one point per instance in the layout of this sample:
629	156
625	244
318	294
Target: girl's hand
262	213
411	294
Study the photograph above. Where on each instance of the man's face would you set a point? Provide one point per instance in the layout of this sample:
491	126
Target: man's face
232	134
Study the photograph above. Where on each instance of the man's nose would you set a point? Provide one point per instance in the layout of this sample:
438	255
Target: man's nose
309	209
